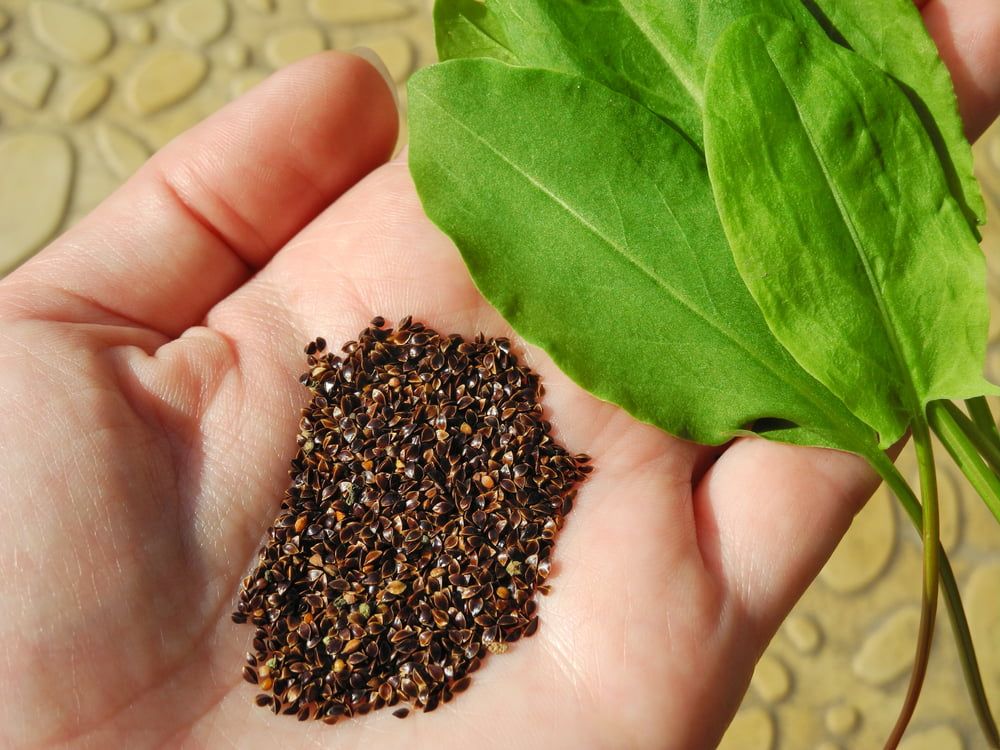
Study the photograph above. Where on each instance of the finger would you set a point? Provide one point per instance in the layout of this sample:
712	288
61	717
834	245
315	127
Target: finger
215	204
770	515
967	33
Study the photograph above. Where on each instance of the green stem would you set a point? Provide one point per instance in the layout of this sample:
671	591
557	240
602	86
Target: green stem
980	438
959	436
952	599
928	609
979	410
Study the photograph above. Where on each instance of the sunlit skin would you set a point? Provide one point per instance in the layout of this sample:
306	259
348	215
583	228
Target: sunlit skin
148	366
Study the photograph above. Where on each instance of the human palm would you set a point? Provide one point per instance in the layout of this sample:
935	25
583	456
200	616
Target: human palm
149	367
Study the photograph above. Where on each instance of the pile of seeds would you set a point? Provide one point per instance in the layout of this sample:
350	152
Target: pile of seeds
424	504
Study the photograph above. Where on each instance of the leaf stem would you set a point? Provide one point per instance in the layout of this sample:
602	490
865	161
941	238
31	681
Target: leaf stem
952	599
961	438
982	416
928	609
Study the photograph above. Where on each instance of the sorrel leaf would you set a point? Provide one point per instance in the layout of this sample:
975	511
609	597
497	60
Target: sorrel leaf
891	34
845	232
589	223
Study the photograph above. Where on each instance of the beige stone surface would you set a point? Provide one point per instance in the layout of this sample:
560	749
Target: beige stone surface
752	728
842	719
863	555
771	679
89	88
35	185
804	632
888	651
938	738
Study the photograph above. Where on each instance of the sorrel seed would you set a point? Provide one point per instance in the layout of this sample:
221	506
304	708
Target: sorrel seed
425	499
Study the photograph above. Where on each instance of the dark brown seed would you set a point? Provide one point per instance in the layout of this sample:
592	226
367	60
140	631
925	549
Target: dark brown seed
420	521
396	587
531	627
401	713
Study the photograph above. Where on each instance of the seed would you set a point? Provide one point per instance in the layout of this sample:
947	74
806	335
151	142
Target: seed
396	587
531	627
405	548
401	713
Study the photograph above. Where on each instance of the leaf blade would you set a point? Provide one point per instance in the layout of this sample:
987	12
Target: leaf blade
562	236
469	28
772	140
891	35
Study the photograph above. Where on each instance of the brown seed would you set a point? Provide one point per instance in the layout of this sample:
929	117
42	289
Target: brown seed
396	587
250	675
425	500
401	713
531	627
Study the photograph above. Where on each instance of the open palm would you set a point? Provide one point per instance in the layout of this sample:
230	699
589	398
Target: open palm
149	364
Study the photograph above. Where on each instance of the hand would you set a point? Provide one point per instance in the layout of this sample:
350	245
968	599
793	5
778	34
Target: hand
149	369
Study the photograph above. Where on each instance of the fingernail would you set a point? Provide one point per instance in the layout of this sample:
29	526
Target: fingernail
371	56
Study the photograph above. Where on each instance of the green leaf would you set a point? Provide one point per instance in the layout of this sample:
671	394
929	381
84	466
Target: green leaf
891	35
589	223
842	223
655	53
468	28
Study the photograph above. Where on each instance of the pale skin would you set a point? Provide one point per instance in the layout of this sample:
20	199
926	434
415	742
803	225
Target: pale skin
148	366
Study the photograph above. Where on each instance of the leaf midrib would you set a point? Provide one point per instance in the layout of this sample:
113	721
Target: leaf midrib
694	90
